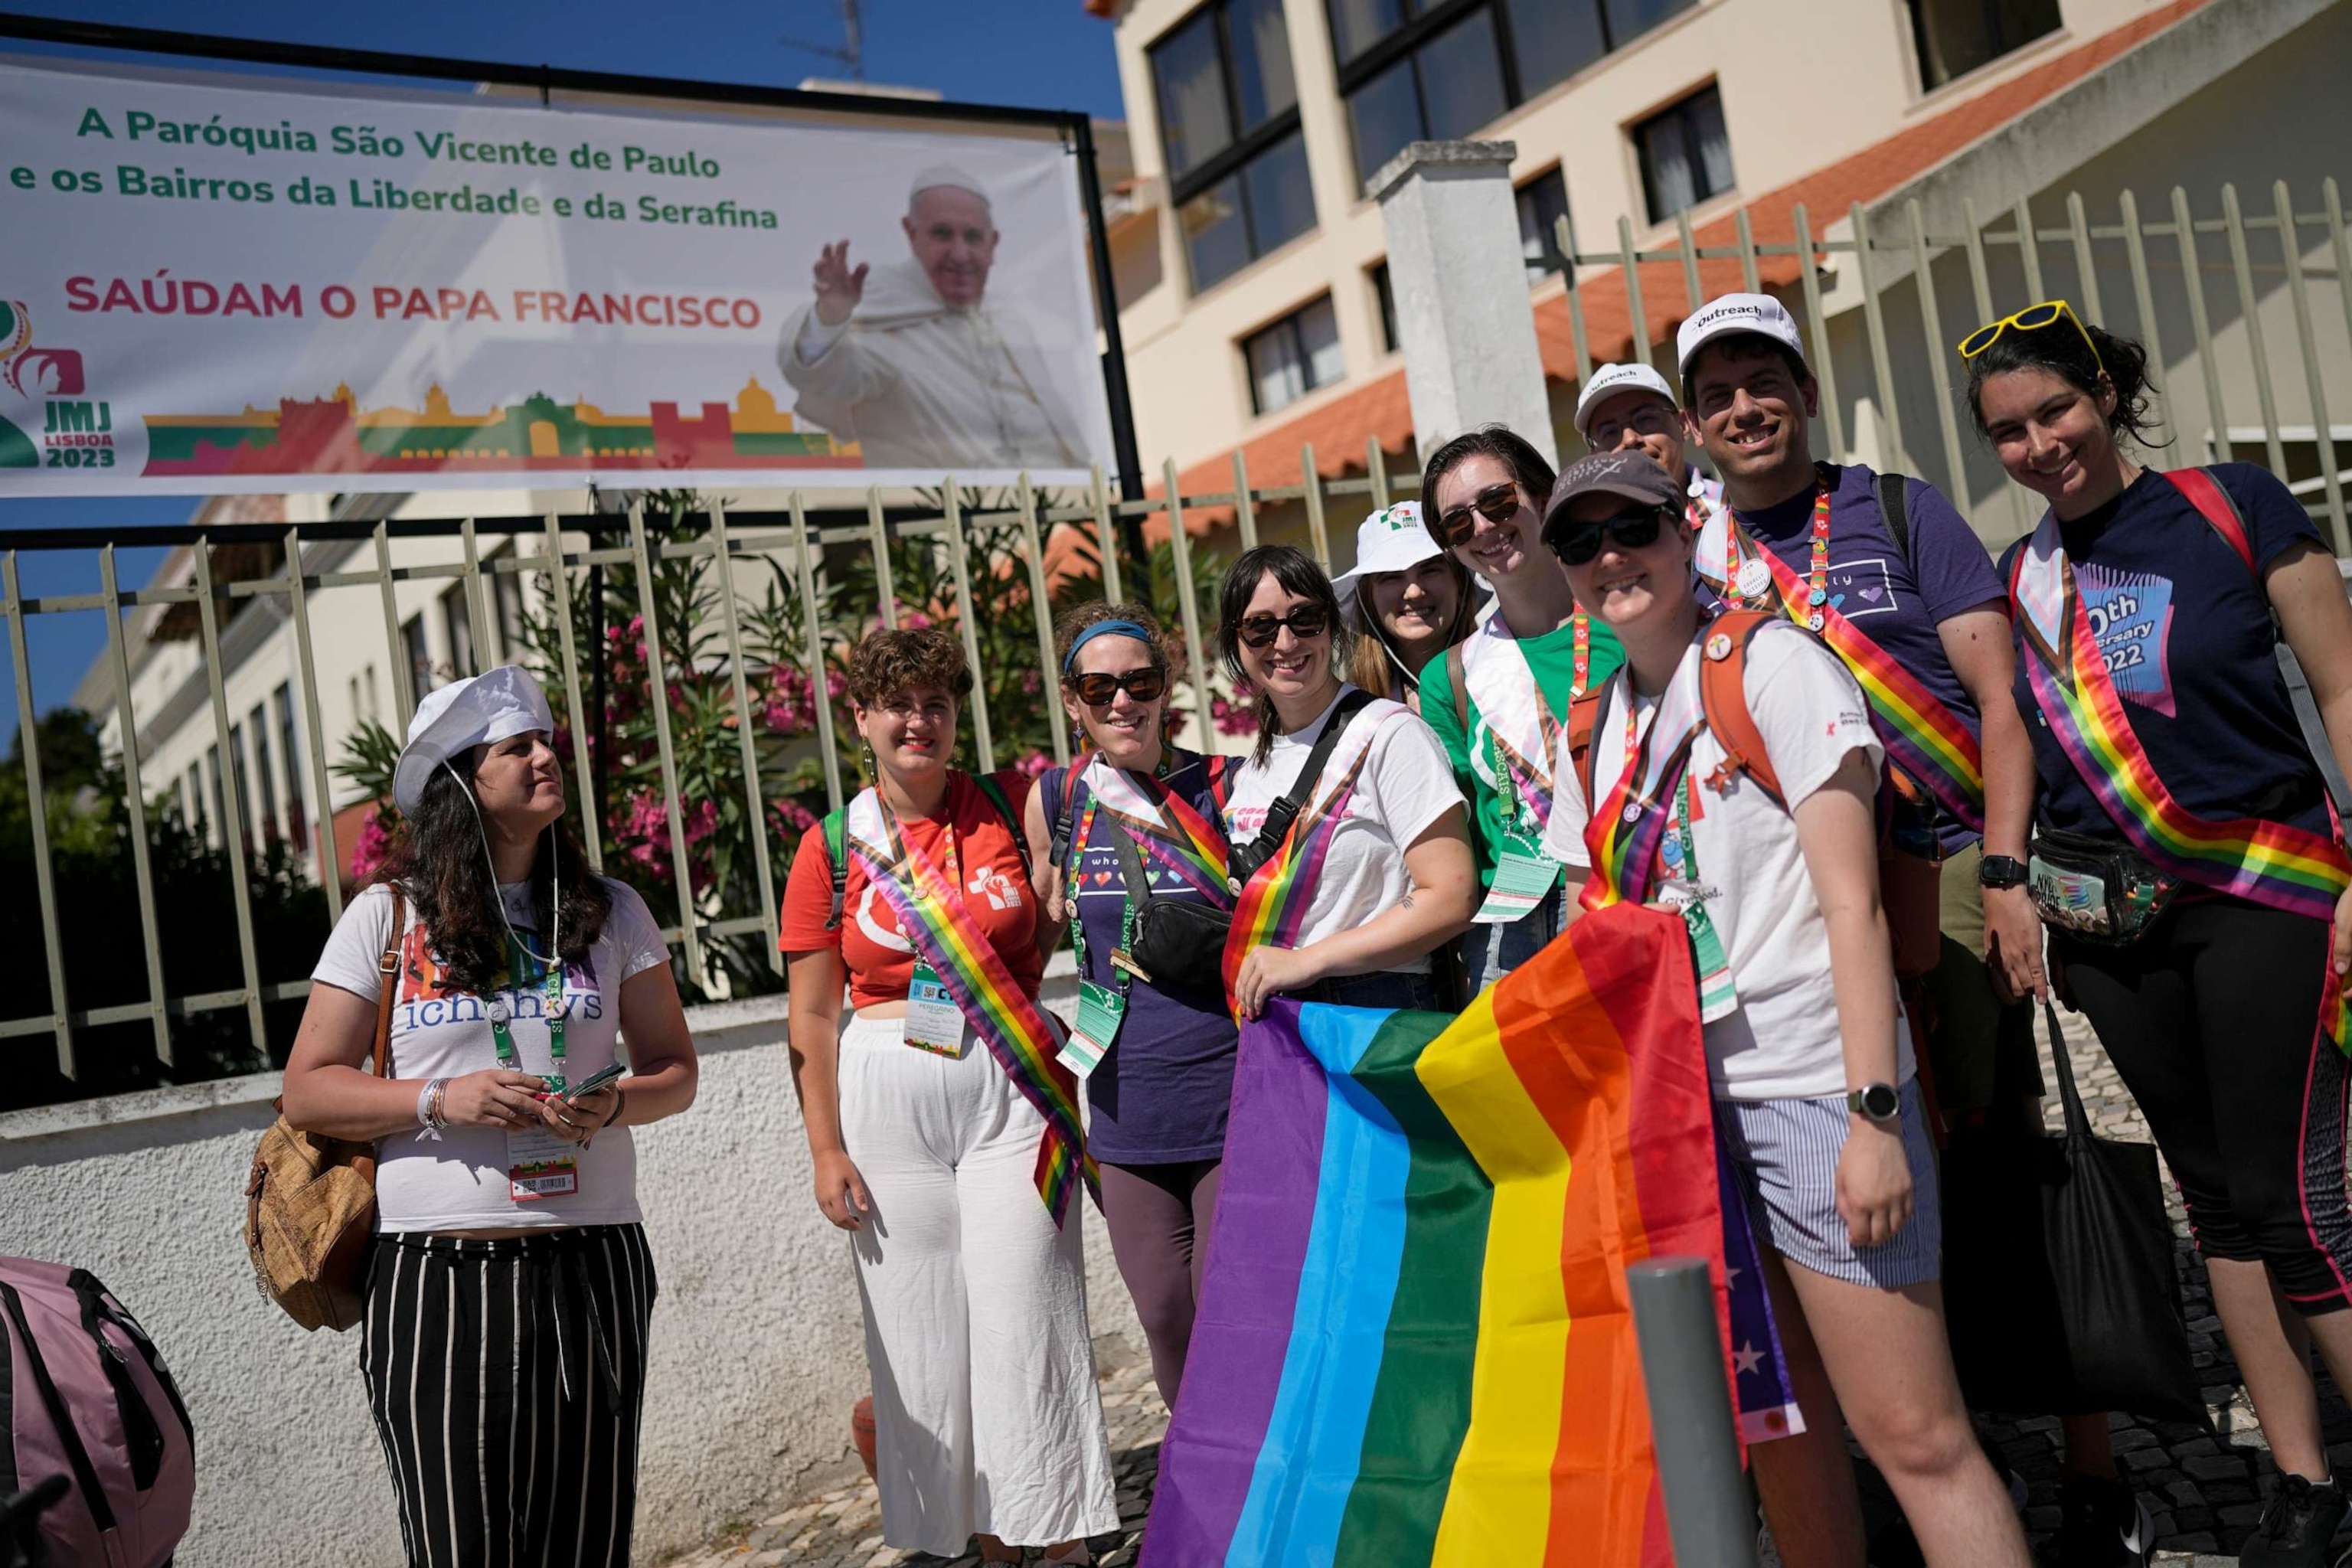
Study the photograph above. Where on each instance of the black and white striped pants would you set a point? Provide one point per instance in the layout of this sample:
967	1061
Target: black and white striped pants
506	1378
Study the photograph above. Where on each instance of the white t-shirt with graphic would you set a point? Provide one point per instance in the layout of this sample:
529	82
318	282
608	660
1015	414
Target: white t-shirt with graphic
1783	1040
460	1181
1404	785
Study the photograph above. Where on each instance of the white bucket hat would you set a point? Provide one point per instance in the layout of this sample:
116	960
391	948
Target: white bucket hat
1392	538
489	707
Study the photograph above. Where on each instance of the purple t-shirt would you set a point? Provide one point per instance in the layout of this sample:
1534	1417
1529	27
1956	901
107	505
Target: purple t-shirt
1159	1095
1895	601
2187	633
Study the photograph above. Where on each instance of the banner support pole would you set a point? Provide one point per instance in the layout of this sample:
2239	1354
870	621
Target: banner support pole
1114	359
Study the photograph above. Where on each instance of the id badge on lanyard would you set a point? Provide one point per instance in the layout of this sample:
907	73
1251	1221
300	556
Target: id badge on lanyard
1522	881
1718	998
1101	1010
934	1022
540	1165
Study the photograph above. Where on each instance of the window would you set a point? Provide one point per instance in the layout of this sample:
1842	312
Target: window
1229	128
506	591
1386	297
420	658
265	782
192	804
461	632
1955	36
1543	202
1435	69
1686	154
1294	356
290	755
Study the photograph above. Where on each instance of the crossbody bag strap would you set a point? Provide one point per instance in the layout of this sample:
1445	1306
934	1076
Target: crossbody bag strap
388	965
1284	811
1895	506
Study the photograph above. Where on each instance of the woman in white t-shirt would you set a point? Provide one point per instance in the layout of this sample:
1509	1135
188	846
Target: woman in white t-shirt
1807	1052
1375	871
511	1289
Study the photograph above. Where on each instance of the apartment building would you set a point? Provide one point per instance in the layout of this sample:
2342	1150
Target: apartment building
1254	300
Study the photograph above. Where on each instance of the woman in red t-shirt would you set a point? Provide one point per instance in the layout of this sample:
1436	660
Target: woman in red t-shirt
944	1136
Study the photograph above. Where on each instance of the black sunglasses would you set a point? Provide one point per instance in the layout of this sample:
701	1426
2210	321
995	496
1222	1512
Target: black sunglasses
1496	503
1096	689
1306	621
1577	542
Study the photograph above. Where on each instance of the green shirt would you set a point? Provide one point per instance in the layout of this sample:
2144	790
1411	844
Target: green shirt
1552	657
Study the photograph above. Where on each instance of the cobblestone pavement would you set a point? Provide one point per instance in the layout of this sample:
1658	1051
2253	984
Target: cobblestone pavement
2204	1488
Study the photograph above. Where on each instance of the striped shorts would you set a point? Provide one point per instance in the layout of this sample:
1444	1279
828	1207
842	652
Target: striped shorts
506	1378
1785	1155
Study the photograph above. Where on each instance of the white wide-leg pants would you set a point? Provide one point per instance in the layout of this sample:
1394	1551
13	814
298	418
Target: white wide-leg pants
985	1411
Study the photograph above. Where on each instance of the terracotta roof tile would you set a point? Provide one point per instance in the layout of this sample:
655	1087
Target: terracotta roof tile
1380	408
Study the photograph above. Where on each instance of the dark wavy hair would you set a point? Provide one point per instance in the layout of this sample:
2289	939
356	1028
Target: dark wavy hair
2060	350
441	865
890	661
1499	442
1299	577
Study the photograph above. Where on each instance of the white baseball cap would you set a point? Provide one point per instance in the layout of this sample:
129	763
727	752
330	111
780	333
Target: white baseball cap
1611	379
1392	538
1729	313
491	707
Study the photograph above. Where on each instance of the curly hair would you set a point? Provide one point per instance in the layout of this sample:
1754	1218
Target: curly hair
1299	577
890	661
444	868
2080	359
1166	654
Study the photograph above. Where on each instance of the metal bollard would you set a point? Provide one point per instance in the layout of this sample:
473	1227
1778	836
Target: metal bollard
1707	1510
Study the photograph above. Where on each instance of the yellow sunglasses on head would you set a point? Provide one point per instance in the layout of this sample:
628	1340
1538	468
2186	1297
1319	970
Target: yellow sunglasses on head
2032	319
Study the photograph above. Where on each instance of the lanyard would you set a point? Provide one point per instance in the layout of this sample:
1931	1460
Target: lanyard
1506	783
551	1004
1119	963
1751	579
899	852
1677	856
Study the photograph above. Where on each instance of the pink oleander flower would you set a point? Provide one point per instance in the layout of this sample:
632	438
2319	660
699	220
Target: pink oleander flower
792	817
915	620
373	845
1035	762
1238	717
1032	683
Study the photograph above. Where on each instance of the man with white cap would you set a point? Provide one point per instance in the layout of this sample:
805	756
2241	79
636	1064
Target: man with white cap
1890	574
1629	405
1407	598
910	361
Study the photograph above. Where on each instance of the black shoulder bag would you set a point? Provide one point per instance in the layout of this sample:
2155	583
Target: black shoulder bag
1177	944
1243	860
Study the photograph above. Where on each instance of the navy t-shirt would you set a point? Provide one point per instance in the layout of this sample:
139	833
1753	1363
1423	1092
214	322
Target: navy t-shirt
1159	1095
1894	600
2186	630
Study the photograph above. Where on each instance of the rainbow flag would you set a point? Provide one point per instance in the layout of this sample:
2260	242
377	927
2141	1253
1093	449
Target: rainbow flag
1415	1344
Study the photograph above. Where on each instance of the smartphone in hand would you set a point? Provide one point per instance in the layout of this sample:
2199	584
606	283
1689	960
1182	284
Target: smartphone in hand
592	1082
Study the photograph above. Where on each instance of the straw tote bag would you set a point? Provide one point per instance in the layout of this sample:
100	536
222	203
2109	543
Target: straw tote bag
310	1202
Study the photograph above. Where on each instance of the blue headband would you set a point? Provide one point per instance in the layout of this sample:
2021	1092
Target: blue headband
1102	629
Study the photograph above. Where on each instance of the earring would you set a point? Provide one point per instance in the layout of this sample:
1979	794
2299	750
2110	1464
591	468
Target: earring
865	762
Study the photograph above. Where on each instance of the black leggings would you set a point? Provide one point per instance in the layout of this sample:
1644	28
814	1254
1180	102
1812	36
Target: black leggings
2213	1020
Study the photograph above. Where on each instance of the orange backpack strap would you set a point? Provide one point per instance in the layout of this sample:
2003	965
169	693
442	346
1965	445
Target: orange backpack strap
1722	698
1583	713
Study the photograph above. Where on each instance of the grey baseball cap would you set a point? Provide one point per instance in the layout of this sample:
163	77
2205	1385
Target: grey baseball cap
1632	475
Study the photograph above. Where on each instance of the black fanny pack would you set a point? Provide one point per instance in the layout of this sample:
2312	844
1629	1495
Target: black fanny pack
2097	890
1177	944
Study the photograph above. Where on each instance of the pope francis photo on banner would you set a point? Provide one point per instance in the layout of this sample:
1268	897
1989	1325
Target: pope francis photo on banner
910	359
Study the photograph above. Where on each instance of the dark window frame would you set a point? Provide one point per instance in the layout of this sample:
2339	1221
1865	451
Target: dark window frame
1679	108
1384	304
1922	53
1550	243
1416	31
1289	320
1245	145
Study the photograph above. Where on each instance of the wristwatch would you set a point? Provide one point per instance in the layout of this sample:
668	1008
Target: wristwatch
2000	871
1876	1103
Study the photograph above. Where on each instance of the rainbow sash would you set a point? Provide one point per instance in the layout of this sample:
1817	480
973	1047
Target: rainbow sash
1925	739
933	913
2271	863
1170	833
1272	905
1623	844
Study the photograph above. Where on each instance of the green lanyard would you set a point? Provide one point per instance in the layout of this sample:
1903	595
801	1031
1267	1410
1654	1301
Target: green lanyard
1717	997
551	1005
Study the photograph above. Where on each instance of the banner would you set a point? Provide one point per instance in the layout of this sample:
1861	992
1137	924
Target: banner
232	287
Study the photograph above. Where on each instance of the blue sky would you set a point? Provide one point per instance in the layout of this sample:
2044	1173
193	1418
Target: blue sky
1046	54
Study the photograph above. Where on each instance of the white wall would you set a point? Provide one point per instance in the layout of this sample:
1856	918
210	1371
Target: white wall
758	1353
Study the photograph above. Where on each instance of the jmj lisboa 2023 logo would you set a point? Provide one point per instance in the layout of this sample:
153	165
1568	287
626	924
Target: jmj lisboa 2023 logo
47	421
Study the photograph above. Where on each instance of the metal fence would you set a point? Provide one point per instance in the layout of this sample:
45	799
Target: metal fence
565	551
2047	260
554	555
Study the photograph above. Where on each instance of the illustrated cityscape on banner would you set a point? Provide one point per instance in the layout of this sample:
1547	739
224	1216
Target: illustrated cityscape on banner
224	289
